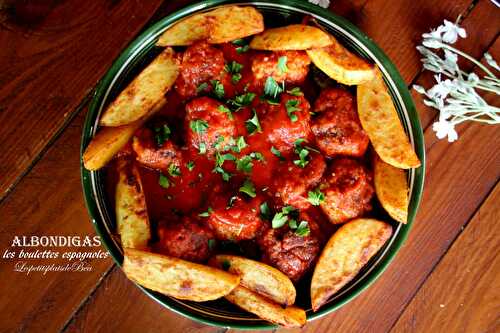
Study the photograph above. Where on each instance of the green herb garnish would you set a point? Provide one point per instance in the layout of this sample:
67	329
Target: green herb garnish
241	100
277	153
163	181
265	211
303	229
198	126
302	152
218	89
272	89
282	64
242	45
295	92
207	213
202	148
162	133
291	107
315	197
248	188
239	145
202	87
174	170
225	110
253	124
190	165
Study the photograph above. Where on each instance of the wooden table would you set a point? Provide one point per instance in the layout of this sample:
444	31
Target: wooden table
446	277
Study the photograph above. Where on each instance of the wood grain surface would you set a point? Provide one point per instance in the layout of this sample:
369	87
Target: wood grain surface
461	294
45	81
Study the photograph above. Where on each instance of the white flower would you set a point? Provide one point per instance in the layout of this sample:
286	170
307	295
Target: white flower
452	31
433	43
321	3
419	89
473	79
450	58
445	128
434	34
441	89
489	59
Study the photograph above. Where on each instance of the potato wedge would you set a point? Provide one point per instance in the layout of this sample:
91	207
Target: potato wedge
259	277
176	277
291	316
347	251
217	26
392	189
131	211
144	92
291	37
107	142
380	120
340	64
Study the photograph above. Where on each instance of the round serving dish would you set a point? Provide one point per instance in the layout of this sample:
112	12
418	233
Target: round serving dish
276	13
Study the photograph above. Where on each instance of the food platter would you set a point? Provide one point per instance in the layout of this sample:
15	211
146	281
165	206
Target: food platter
276	14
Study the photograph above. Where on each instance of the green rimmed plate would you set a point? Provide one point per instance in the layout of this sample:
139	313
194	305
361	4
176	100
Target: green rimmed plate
276	13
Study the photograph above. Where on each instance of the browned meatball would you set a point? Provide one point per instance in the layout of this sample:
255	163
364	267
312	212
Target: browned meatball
337	127
200	64
348	190
185	239
206	125
152	155
291	182
239	221
290	253
266	64
284	125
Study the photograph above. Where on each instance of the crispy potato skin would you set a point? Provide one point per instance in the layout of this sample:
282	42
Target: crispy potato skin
392	189
291	37
340	64
347	251
260	278
217	26
380	120
131	211
144	92
176	277
291	316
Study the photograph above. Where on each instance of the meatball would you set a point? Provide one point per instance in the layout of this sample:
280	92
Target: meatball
291	182
266	64
207	126
290	253
287	122
185	239
348	190
337	128
152	155
200	64
236	219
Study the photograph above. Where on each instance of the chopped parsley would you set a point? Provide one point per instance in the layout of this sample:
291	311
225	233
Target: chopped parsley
277	153
316	197
253	124
190	165
291	107
248	188
241	44
272	89
162	133
218	88
211	244
303	229
202	87
207	213
225	110
257	156
302	152
244	164
241	100
174	170
239	144
163	181
202	148
219	161
281	218
282	64
265	211
295	91
198	126
234	68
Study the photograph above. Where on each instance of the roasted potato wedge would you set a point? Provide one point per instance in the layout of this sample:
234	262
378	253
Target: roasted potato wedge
347	251
392	189
291	37
107	142
380	120
340	64
259	277
217	26
177	278
145	92
291	316
131	211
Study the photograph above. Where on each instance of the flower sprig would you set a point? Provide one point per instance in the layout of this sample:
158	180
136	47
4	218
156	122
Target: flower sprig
455	93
